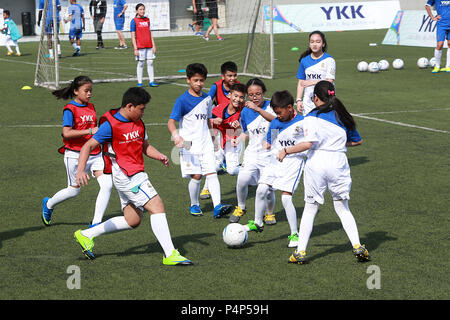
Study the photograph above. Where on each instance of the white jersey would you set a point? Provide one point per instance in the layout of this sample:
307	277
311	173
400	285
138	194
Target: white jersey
315	69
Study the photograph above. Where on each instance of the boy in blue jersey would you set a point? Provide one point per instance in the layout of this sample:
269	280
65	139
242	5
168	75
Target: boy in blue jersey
284	131
442	31
48	28
120	6
76	18
192	110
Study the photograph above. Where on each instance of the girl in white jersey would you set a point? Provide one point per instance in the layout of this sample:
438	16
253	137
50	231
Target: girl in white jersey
315	65
329	129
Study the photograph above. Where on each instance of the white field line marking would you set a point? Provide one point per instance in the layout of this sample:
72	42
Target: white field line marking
401	111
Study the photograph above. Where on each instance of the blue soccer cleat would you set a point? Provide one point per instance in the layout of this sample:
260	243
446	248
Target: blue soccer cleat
196	211
153	84
221	210
46	214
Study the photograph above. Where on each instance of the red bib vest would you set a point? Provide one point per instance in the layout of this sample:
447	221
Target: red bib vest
83	118
127	143
143	34
220	96
228	132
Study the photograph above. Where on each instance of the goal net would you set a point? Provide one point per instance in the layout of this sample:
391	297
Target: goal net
245	26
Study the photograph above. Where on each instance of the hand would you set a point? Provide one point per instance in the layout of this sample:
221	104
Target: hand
217	121
164	159
178	141
136	52
94	130
300	106
251	105
436	18
154	50
102	20
82	178
235	124
281	155
234	142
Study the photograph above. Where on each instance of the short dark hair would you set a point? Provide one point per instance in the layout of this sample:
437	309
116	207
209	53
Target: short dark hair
282	99
256	82
139	5
228	66
135	96
196	68
240	87
7	12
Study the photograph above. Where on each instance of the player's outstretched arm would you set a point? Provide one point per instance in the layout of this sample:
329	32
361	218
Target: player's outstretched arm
299	147
151	152
177	139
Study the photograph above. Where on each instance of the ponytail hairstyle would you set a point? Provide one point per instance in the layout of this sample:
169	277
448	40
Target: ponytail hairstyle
256	82
138	6
309	51
324	90
69	91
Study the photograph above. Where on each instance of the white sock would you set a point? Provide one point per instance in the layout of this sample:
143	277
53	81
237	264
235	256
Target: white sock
291	213
205	186
214	188
62	195
347	220
260	203
74	45
242	183
115	224
105	183
448	58
437	56
140	71
306	224
150	70
160	228
17	47
50	52
270	201
59	48
194	191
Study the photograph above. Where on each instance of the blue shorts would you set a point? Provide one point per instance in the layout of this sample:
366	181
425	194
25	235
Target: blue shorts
49	27
442	33
75	33
119	22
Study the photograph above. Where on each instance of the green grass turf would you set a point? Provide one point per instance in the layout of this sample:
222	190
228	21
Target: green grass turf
399	195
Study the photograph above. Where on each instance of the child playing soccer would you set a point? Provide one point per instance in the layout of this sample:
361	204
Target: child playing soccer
76	18
124	137
48	28
79	124
284	131
12	33
192	110
143	44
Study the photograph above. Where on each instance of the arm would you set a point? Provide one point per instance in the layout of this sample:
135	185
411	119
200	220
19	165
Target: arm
81	177
134	43
39	18
266	115
91	4
153	44
84	21
299	100
241	138
70	133
123	11
353	143
194	7
430	14
153	153
299	147
177	139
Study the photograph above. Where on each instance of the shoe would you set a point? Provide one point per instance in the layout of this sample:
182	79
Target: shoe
220	38
361	253
191	26
139	85
176	259
436	70
269	219
10	53
221	210
18	54
199	34
254	227
298	257
153	84
445	69
124	46
293	240
46	212
76	53
86	244
196	211
93	225
205	194
206	38
237	214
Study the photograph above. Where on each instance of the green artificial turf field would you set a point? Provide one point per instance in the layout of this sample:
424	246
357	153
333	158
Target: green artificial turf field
400	194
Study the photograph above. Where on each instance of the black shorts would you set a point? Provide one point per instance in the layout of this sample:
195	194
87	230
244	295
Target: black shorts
213	11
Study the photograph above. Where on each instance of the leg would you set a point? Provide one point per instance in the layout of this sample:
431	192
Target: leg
104	194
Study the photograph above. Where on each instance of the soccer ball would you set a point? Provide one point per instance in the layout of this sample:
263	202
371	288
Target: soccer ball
397	64
383	65
362	66
432	62
422	63
234	235
373	67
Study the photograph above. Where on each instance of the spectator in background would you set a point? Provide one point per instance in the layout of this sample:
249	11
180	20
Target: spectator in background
214	16
97	9
120	6
198	17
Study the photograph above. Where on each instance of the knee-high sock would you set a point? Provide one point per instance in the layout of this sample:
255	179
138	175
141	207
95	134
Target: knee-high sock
214	188
306	225
150	70
291	214
242	183
448	58
260	202
114	224
437	56
105	183
347	220
194	191
270	201
140	71
62	195
160	228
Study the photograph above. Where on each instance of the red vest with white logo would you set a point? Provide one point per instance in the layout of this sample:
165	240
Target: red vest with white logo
83	118
127	143
228	132
143	34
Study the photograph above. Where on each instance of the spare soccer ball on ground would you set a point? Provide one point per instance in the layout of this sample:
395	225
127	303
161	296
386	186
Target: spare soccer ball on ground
422	63
383	65
362	66
373	67
397	64
234	235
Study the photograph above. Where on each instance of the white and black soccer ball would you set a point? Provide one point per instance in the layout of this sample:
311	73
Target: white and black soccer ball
235	235
398	64
373	67
383	65
422	63
362	66
432	62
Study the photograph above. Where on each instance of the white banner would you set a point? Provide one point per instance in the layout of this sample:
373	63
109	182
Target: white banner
158	11
412	28
332	16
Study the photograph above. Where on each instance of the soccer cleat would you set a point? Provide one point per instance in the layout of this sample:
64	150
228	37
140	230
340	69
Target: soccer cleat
220	38
254	227
77	53
10	53
191	27
196	211
153	84
298	257
221	210
293	240
447	69
361	253
269	219
91	225
176	259
86	244
18	54
206	38
46	214
237	214
199	34
139	85
205	194
436	70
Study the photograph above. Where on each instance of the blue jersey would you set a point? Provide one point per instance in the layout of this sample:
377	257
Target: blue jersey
118	7
49	16
68	115
77	13
442	9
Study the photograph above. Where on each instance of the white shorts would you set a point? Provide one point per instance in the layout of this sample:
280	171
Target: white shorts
232	157
137	196
192	163
285	175
94	163
253	165
145	54
327	170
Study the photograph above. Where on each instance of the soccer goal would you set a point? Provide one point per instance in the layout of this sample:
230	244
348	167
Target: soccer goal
245	26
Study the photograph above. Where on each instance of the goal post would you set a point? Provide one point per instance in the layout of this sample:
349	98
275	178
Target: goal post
244	25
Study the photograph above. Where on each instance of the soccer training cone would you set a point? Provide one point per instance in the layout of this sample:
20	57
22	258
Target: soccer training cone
26	88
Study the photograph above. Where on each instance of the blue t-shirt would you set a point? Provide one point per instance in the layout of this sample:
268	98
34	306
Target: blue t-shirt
118	7
213	90
133	26
68	115
442	9
77	12
248	115
184	104
104	133
280	126
49	16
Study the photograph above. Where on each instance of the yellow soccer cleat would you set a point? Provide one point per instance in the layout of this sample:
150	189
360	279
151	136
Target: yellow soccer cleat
361	253
205	194
298	257
269	219
436	70
237	214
